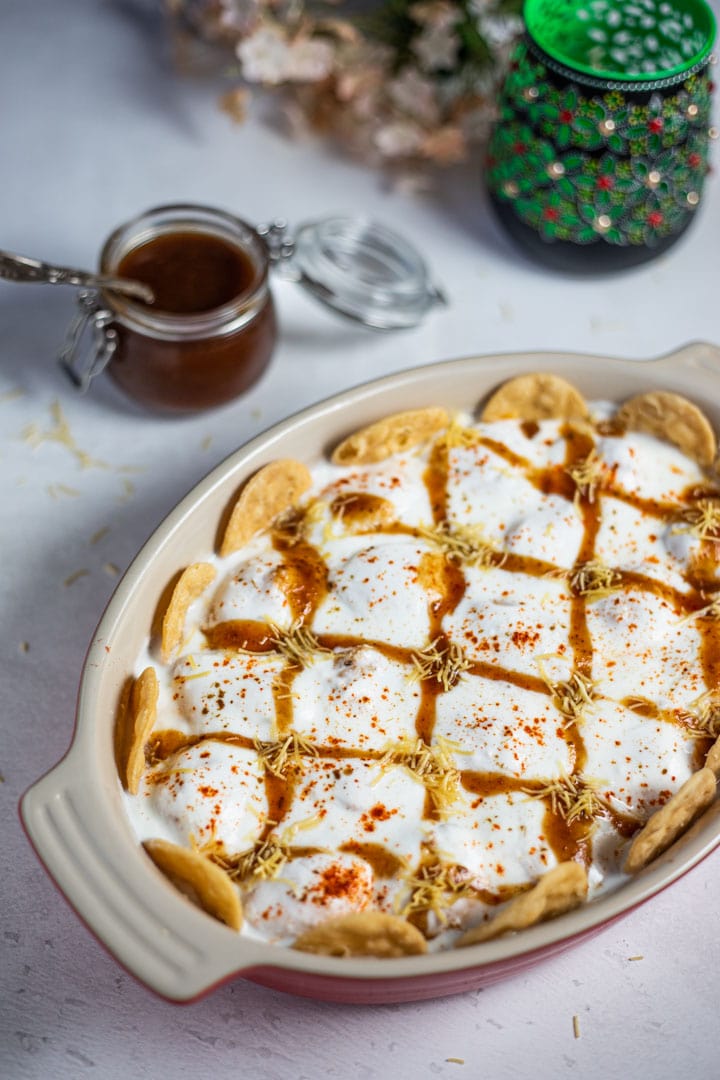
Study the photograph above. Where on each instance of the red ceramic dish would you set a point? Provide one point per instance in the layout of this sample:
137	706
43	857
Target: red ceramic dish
74	815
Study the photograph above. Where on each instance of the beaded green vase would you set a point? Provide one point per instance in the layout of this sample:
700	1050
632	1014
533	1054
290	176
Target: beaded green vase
600	152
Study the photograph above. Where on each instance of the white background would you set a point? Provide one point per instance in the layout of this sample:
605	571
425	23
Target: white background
95	127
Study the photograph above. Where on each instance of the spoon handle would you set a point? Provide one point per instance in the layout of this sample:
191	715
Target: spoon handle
22	268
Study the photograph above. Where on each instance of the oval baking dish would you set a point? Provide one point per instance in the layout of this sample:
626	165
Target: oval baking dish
75	818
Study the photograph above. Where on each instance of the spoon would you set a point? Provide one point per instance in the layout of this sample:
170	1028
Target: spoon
21	268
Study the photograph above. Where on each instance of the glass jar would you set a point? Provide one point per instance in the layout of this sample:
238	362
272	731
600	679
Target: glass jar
599	156
211	330
201	345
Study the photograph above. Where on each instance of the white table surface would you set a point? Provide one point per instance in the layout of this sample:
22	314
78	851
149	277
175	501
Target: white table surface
95	127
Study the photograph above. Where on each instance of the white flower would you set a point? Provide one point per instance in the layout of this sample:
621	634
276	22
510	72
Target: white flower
398	139
311	59
500	30
415	95
437	48
436	13
265	56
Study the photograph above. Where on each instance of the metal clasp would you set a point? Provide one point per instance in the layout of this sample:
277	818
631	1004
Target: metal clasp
81	368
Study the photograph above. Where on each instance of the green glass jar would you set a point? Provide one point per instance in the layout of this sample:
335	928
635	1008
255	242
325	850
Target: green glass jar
599	156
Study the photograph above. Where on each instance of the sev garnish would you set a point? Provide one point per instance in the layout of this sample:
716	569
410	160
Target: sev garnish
594	580
60	433
435	888
128	491
195	675
710	611
277	756
100	534
572	797
263	862
587	475
297	644
56	490
292	525
701	520
433	766
704	716
457	435
12	395
463	543
444	665
573	697
75	576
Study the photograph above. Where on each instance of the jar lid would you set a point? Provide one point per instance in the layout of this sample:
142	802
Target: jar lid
636	43
357	267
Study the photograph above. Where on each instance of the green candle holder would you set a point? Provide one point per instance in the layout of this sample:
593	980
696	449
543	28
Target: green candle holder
599	156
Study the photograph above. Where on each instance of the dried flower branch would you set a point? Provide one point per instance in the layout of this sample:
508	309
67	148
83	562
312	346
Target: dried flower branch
411	81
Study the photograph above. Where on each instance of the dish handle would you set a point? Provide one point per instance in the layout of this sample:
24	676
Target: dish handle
150	929
696	354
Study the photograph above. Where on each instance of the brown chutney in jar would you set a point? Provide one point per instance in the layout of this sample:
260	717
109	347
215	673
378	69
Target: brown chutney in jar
211	330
